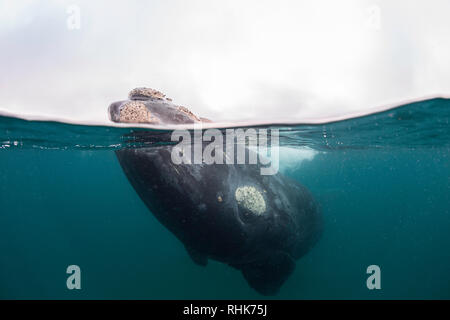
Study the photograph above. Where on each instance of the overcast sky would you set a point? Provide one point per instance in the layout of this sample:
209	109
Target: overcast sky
226	60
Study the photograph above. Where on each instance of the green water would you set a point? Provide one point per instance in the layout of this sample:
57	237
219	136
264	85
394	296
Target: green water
382	181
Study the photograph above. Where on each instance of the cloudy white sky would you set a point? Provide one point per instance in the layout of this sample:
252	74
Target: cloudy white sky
226	60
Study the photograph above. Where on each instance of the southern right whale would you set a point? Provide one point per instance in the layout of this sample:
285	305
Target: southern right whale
259	224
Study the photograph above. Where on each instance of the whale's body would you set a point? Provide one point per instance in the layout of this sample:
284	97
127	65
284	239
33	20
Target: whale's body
230	213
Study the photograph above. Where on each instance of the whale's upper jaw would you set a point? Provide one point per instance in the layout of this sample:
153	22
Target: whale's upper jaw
146	105
131	111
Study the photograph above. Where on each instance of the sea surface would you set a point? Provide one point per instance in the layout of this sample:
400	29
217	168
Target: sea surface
382	182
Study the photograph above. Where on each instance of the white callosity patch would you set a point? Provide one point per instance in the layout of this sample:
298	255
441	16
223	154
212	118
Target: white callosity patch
147	92
188	113
135	112
251	198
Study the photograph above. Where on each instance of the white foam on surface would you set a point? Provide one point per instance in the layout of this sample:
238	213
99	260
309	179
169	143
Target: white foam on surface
290	158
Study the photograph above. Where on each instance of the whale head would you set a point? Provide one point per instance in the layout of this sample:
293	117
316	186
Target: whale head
150	106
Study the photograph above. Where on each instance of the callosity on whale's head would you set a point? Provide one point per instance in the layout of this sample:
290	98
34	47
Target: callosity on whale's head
146	105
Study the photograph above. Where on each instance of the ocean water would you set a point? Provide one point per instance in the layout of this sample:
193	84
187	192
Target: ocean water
382	182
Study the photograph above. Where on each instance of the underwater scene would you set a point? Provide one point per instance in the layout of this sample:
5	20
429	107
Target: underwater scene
381	184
